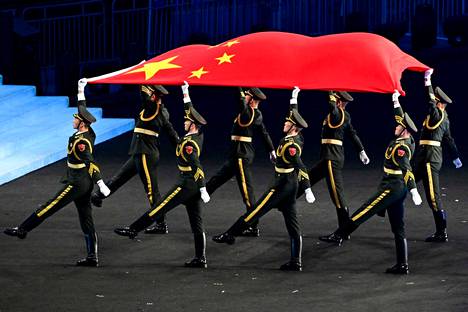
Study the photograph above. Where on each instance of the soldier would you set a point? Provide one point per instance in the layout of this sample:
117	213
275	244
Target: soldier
289	170
435	130
81	173
188	190
241	151
144	151
391	193
335	127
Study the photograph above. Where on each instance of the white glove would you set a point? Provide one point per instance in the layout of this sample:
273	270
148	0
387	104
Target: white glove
395	96
310	198
363	156
103	188
295	93
427	77
416	197
81	86
185	91
204	195
457	162
273	157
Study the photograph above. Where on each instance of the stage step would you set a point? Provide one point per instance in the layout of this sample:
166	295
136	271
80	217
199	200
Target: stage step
34	130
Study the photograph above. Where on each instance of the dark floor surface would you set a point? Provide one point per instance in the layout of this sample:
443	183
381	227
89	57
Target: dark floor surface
146	274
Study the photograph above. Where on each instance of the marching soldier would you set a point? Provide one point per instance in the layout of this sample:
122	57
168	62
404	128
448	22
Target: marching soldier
391	193
335	126
435	130
289	171
188	190
144	151
241	152
81	173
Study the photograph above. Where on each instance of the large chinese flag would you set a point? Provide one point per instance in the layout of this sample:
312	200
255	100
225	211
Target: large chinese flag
351	62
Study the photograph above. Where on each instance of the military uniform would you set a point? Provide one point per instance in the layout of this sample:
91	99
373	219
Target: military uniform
82	173
336	125
241	152
186	191
435	131
144	151
281	194
391	193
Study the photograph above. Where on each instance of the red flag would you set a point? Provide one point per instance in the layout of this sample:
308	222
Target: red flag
343	62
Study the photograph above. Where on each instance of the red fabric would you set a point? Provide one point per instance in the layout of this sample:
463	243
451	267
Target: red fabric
292	151
343	62
401	153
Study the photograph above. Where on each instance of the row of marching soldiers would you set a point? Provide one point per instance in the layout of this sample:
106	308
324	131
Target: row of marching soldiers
291	177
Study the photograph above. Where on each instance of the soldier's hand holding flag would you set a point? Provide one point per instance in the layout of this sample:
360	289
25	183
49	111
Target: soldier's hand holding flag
295	93
185	91
427	77
395	97
81	86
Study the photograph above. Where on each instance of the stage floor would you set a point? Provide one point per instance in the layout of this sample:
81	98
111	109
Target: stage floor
147	274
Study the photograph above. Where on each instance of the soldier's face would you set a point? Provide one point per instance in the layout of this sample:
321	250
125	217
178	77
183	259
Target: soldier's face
287	126
187	125
441	105
76	123
341	104
399	130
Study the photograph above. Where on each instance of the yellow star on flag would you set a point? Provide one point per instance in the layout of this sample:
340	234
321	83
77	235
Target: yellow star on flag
151	69
231	43
198	73
225	58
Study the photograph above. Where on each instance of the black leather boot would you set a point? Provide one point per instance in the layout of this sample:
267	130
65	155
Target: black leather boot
440	236
251	232
126	231
401	247
224	238
334	237
343	219
197	263
91	247
399	268
295	263
16	231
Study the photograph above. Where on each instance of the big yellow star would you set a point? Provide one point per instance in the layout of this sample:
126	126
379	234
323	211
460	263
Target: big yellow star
198	73
151	69
231	43
225	58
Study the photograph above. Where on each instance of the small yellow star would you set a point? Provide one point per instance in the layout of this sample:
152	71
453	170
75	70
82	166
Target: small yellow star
198	73
151	69
231	43
225	58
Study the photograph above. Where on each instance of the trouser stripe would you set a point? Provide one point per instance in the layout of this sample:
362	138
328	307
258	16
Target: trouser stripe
431	186
332	182
375	202
148	178
168	198
264	201
244	184
55	201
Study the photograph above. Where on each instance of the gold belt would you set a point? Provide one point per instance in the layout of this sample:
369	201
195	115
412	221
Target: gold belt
75	166
146	131
391	171
332	141
187	168
241	138
429	142
284	170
